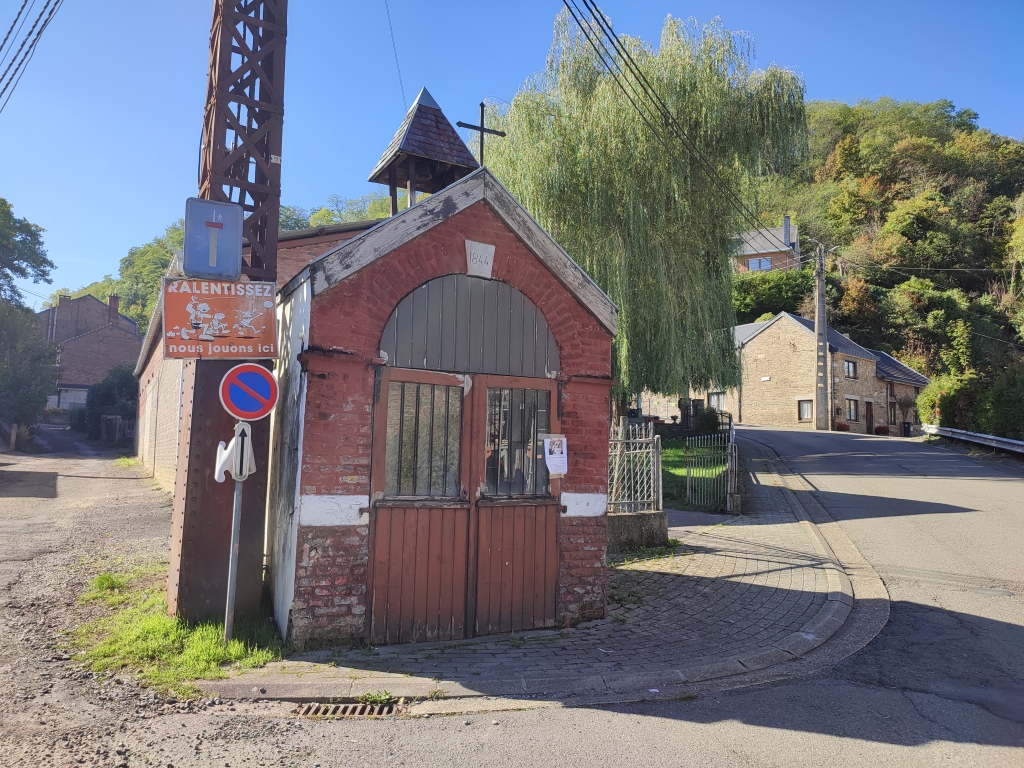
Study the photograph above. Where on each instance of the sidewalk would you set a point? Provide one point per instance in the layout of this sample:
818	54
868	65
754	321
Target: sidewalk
740	595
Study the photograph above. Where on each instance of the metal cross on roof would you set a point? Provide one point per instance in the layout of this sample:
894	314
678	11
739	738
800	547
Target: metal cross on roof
482	129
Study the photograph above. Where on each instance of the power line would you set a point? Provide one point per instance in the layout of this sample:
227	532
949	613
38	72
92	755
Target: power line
395	49
642	95
13	23
15	78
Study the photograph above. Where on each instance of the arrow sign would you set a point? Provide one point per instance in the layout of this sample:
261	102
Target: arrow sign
248	392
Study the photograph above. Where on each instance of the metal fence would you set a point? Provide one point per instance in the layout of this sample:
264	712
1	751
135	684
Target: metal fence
706	460
634	469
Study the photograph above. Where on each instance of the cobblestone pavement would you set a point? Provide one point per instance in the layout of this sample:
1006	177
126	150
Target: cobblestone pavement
745	594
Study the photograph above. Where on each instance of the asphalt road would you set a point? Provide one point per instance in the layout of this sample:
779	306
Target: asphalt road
943	684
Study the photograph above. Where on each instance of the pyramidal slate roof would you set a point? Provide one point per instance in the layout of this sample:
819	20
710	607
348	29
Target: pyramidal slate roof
425	133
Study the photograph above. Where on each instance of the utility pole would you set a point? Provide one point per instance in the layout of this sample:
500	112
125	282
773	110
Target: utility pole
822	406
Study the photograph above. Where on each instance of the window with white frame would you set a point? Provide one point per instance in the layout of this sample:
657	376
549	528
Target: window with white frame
716	400
852	410
804	410
763	264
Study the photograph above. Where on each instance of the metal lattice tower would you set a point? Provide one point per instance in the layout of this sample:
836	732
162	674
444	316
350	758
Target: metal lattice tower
241	150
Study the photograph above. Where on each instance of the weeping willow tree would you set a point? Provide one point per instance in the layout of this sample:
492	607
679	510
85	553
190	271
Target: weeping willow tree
648	224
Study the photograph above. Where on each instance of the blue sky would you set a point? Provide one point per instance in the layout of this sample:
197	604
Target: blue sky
100	142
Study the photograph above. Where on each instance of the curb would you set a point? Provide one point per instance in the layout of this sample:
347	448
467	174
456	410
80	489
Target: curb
850	579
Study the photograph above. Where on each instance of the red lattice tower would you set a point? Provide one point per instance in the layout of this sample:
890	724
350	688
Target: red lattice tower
241	151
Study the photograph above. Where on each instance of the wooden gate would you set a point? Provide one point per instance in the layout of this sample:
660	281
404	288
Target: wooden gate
517	566
419	573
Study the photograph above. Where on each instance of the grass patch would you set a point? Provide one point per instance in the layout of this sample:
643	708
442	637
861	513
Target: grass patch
707	465
166	653
127	462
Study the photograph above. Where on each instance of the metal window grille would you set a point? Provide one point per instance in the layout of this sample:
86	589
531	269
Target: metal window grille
516	421
422	450
634	470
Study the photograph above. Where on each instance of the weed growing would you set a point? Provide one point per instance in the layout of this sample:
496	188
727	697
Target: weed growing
127	462
169	654
376	698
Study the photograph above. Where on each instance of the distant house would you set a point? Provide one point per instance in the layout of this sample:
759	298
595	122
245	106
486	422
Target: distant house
777	360
772	249
92	338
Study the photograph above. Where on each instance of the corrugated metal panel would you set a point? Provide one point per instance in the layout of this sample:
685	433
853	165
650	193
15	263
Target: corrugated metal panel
469	324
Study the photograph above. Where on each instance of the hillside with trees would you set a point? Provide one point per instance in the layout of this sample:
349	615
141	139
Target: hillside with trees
927	211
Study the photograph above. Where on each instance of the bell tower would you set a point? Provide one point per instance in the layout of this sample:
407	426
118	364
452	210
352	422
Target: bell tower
426	154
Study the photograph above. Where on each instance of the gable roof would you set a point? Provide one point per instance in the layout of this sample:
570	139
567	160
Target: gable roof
889	368
102	303
836	340
768	240
886	366
425	133
349	257
743	333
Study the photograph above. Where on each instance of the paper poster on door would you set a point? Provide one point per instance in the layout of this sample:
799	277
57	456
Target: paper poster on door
556	455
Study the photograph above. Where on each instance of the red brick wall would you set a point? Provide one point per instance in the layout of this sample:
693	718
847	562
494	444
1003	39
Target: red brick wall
582	573
351	317
88	359
330	582
346	326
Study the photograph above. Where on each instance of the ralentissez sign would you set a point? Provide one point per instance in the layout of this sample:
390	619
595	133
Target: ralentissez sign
219	320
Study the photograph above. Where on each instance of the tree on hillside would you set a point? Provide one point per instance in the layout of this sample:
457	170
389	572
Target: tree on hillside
21	253
139	276
648	225
27	372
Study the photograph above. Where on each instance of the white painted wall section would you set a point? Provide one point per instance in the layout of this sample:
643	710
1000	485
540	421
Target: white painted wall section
585	504
341	509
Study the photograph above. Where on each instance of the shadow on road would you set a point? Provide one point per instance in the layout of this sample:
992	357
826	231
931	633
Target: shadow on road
923	679
31	485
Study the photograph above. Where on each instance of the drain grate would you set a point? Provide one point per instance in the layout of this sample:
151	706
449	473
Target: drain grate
333	711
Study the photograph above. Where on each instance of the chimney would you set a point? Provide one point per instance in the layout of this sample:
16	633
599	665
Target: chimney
112	304
63	300
785	231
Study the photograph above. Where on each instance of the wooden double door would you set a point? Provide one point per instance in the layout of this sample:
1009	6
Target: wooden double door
463	537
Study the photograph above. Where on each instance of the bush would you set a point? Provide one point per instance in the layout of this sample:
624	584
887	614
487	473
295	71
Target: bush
1007	402
706	421
882	429
842	426
954	400
116	395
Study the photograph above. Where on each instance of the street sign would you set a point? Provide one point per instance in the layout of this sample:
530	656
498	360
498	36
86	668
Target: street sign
236	457
213	240
219	320
248	392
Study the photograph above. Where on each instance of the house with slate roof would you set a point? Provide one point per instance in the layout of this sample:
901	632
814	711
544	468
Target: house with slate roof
777	389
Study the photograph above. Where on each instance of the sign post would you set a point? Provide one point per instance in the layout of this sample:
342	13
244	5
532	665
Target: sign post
248	392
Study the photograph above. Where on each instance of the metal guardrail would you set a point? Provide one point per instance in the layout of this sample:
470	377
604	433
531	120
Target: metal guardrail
1002	443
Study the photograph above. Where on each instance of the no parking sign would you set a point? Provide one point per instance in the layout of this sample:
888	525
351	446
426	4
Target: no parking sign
248	392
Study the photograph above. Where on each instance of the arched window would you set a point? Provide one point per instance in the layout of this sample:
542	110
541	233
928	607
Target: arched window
466	324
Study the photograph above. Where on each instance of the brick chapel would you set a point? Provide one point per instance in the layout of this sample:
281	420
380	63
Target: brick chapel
423	363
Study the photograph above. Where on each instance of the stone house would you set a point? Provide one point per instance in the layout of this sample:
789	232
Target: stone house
92	338
777	361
